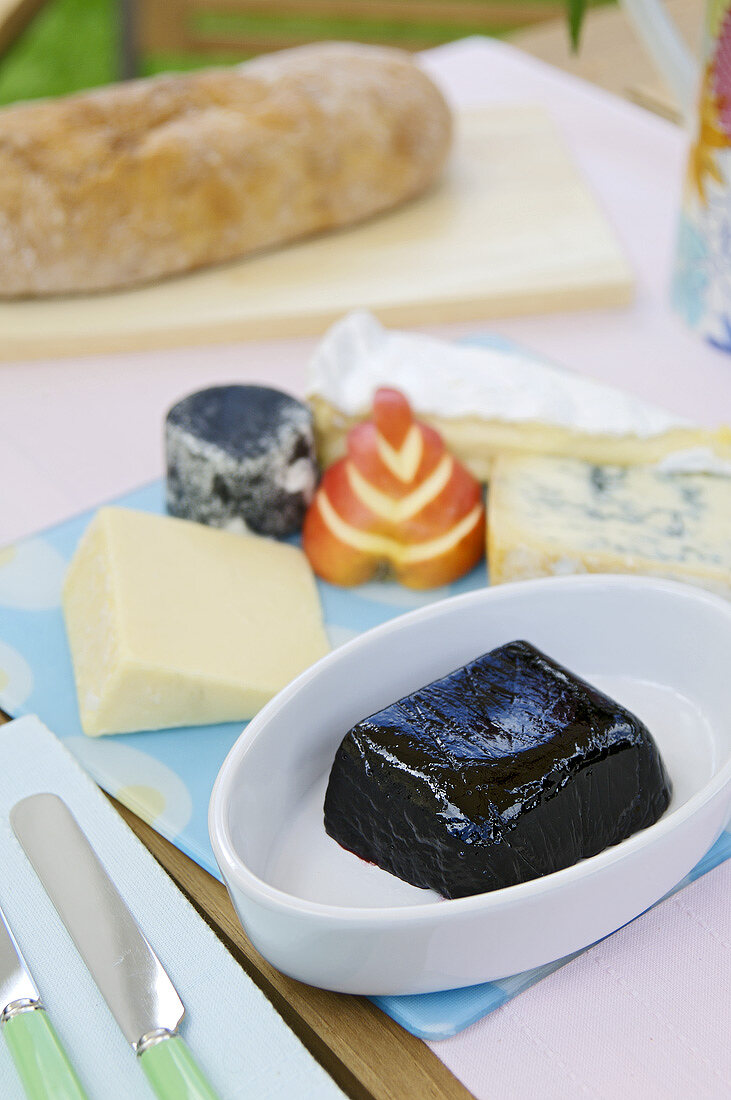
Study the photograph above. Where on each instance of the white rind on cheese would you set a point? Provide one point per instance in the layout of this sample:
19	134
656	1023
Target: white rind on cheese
549	516
357	355
172	623
486	401
695	460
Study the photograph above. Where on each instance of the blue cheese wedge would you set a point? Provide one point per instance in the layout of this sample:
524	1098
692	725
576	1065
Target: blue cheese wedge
549	516
171	623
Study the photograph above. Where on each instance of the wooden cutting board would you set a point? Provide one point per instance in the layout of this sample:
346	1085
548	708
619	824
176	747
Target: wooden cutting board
511	228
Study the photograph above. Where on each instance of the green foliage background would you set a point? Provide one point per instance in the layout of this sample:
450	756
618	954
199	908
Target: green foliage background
72	44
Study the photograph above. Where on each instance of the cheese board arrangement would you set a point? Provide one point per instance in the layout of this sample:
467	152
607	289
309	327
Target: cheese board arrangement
146	634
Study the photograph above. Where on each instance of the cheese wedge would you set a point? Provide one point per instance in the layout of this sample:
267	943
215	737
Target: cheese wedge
549	516
478	442
486	400
172	623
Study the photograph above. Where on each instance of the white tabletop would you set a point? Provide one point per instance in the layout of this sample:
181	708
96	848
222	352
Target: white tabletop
644	1014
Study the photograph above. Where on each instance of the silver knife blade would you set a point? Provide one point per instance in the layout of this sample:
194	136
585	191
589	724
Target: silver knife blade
16	985
126	970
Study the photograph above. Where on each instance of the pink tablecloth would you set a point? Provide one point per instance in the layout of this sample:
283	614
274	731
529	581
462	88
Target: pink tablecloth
644	1014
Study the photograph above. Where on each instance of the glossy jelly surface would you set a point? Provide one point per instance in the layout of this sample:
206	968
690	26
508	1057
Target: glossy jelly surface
505	770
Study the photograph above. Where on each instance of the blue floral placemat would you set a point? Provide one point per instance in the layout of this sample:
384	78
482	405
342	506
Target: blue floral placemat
166	776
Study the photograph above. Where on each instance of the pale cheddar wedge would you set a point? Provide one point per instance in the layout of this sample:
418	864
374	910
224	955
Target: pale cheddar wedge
172	623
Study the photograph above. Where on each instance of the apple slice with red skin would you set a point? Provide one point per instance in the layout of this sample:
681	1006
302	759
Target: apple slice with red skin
398	503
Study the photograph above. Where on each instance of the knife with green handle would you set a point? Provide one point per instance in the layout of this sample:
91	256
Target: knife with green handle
44	1070
130	977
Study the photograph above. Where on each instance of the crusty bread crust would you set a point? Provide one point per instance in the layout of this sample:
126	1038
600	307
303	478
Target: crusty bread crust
122	185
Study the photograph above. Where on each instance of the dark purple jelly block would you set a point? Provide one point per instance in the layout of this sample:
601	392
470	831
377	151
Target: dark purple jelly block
507	769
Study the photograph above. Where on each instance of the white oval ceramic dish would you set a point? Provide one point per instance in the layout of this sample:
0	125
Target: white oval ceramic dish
322	915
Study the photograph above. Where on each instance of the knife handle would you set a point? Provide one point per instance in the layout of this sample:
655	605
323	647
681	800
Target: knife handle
174	1073
41	1061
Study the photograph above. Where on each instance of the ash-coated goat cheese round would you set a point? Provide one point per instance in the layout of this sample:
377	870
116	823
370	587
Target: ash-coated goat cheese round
242	458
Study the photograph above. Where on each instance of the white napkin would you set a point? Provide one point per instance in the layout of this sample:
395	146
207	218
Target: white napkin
241	1043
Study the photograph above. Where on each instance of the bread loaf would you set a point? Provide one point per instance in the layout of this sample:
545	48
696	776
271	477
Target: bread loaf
122	185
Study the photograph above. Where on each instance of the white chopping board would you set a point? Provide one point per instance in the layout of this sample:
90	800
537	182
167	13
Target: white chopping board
511	228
